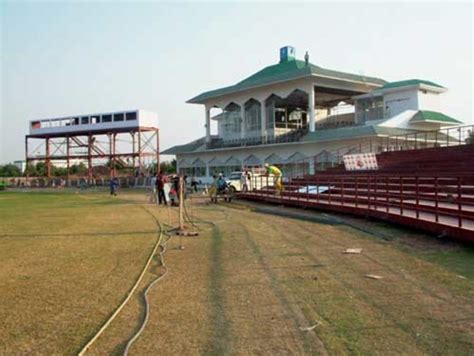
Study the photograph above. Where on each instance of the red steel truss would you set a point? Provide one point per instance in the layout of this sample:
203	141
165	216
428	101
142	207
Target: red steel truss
130	148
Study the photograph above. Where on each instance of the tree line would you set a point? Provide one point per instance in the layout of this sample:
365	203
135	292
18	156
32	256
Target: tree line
39	169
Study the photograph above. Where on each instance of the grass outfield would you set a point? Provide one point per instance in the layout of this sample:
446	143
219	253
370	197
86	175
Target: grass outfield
66	261
250	283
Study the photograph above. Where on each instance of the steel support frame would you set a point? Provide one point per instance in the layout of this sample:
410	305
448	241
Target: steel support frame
87	148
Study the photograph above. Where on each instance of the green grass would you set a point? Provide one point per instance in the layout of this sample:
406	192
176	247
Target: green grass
67	261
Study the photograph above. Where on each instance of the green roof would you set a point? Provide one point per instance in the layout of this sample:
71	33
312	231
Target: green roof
283	71
188	147
403	83
425	115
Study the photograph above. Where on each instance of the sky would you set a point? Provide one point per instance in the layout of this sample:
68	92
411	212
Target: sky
68	58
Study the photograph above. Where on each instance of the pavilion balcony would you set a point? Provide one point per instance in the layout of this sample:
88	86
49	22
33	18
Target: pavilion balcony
292	136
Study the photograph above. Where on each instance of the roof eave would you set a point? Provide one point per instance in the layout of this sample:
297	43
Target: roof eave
451	123
195	100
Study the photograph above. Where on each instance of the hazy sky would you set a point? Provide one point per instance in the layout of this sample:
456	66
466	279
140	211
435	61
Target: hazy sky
72	58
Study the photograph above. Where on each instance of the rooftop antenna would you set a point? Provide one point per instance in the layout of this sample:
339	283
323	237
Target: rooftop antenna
306	58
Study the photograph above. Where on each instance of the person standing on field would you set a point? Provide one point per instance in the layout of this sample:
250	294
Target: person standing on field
276	172
112	185
160	189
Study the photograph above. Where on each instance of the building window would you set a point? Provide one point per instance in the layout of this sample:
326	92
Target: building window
130	116
252	115
106	118
84	120
118	117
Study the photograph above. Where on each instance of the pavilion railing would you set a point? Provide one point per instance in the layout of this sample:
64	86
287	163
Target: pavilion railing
292	136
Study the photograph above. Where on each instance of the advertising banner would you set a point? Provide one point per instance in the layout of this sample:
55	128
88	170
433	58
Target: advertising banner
360	162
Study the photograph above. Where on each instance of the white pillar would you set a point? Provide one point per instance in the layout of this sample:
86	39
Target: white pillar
311	112
242	117
263	118
208	124
207	170
311	166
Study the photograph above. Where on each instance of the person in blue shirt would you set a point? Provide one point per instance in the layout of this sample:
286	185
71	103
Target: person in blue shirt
221	183
112	185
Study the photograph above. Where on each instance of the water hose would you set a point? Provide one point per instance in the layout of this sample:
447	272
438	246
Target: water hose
130	293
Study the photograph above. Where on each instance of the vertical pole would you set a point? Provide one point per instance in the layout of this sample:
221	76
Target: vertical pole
208	125
27	162
181	203
157	133
317	189
133	152
401	196
111	152
329	189
139	151
459	203
68	162
368	191
387	194
417	197
436	199
375	193
114	147
311	113
356	191
89	158
242	124
263	118
307	191
48	161
342	189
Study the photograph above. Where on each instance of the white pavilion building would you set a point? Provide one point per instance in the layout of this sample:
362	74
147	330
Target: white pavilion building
294	110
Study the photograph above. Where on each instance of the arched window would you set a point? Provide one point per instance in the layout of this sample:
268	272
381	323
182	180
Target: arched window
232	121
253	115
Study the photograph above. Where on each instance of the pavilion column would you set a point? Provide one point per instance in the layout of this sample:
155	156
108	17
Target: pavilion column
311	112
311	168
263	118
208	124
242	116
207	170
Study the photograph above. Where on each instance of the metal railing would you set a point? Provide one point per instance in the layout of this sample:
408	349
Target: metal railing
292	136
439	199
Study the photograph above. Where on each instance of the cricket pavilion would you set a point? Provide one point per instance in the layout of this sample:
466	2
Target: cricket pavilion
298	116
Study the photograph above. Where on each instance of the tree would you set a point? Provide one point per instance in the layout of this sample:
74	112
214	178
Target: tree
78	169
9	170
